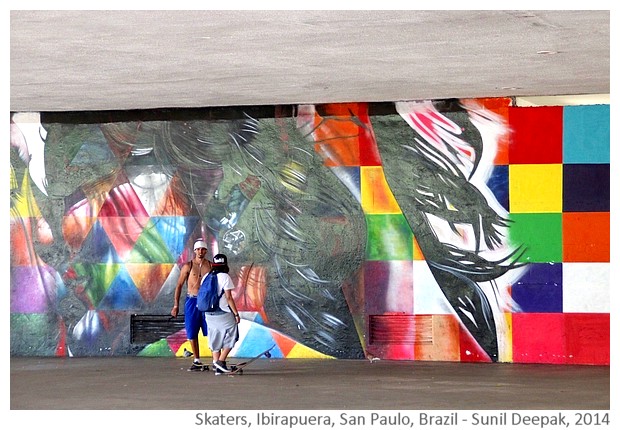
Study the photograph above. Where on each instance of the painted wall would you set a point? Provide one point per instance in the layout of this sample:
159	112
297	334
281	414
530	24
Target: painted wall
452	230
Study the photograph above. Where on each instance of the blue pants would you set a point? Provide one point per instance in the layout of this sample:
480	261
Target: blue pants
194	319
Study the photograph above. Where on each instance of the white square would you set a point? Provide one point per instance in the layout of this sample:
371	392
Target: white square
428	299
585	287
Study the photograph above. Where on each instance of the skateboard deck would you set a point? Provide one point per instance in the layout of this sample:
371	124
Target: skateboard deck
201	368
237	369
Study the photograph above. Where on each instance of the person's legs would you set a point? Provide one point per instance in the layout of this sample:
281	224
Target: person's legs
224	354
193	323
195	349
230	337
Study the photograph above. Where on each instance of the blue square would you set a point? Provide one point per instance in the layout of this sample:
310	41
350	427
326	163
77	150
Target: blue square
539	290
586	134
498	184
585	188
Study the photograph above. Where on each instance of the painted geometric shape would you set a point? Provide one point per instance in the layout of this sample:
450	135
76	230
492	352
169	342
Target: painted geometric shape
391	351
389	237
22	245
498	184
123	232
302	351
93	153
35	334
76	228
336	133
169	285
530	344
536	135
540	234
586	188
446	340
25	205
177	340
150	248
587	339
89	328
250	288
377	198
149	278
97	248
95	279
34	289
160	348
469	349
257	339
95	193
122	293
501	107
400	328
539	289
350	177
417	251
174	231
77	204
586	287
586	237
369	153
535	188
285	343
122	201
150	185
388	287
174	203
427	295
586	134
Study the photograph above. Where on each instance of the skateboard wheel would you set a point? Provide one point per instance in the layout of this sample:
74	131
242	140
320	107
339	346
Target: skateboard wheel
268	354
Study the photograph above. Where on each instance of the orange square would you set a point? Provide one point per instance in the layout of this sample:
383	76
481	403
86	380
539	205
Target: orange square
585	237
500	106
445	343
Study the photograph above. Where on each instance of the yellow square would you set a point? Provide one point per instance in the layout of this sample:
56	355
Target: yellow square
377	197
535	188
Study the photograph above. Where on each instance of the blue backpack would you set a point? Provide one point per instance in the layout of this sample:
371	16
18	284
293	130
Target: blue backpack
208	299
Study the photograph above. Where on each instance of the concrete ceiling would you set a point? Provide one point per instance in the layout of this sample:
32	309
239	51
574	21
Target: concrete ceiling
93	60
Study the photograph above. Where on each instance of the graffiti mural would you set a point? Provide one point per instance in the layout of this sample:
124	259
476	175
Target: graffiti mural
431	230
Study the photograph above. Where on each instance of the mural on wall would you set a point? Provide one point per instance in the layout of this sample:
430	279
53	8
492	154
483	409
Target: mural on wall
435	231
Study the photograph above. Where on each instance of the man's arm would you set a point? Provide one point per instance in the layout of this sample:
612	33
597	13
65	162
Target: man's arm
177	292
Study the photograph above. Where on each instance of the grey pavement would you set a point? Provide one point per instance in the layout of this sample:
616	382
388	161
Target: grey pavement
141	383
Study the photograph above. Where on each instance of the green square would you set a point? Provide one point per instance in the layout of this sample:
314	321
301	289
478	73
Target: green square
540	234
389	238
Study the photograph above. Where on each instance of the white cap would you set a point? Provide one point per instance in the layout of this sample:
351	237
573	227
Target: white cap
200	244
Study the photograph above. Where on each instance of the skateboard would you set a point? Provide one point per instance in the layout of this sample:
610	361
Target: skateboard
195	368
237	369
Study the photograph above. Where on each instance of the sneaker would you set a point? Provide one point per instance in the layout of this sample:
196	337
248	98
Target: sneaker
197	362
221	366
218	371
197	367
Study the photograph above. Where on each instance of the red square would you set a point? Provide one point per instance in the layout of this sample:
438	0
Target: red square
536	135
538	338
587	338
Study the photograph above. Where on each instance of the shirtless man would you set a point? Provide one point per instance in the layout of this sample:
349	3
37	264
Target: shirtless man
192	272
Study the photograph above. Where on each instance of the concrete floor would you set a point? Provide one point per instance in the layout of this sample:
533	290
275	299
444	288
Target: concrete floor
136	383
